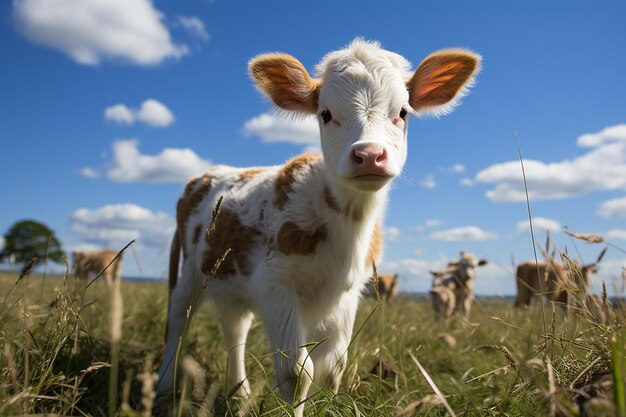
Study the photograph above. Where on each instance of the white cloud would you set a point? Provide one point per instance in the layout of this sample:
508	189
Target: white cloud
428	182
602	168
89	172
432	222
194	26
413	274
152	112
613	208
391	234
454	169
458	168
272	128
155	113
463	234
90	31
539	223
618	234
114	225
88	247
312	149
428	224
609	134
467	182
120	114
171	165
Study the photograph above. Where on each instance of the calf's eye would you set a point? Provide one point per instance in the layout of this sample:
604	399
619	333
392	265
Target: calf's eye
326	116
403	113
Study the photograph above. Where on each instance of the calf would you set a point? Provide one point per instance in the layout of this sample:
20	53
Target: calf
387	287
552	279
443	299
453	288
303	235
92	263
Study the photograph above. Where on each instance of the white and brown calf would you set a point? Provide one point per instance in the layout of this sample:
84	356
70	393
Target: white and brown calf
303	235
453	287
87	264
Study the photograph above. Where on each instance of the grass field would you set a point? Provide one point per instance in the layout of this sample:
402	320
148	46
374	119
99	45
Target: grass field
60	348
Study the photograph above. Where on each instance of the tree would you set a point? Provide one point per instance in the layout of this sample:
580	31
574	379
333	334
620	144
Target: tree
28	239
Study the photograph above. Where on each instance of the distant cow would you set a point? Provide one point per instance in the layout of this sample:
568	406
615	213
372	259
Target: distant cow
87	264
387	287
453	287
551	277
444	300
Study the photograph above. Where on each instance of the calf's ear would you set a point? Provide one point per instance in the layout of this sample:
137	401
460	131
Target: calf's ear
482	262
442	79
285	81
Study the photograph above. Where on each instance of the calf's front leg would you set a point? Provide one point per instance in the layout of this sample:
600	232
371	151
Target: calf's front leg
331	356
235	322
293	366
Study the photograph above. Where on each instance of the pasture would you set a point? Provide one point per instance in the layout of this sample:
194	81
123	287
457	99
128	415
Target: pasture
55	338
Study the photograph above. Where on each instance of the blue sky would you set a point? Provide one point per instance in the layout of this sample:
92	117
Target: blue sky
107	107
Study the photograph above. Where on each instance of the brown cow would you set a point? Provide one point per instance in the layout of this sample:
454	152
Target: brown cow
92	263
453	288
387	287
553	278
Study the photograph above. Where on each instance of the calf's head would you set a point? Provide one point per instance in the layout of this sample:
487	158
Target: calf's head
362	97
466	266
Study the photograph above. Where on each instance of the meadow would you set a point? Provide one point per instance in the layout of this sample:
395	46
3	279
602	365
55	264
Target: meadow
63	354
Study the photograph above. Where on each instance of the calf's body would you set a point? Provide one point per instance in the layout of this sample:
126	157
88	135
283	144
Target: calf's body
301	237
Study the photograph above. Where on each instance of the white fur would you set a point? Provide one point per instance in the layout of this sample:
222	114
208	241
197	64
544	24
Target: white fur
313	298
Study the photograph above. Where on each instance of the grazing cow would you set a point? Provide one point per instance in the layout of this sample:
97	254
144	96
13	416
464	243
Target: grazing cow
553	278
302	236
453	288
92	263
387	287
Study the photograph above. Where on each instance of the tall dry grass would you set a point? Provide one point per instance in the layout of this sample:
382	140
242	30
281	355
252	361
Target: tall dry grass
74	348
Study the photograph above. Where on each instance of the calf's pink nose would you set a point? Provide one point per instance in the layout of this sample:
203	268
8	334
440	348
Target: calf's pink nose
369	155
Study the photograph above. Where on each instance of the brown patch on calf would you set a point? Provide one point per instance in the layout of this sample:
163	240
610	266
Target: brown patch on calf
291	240
231	234
351	212
287	176
249	173
376	244
330	200
188	204
196	234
